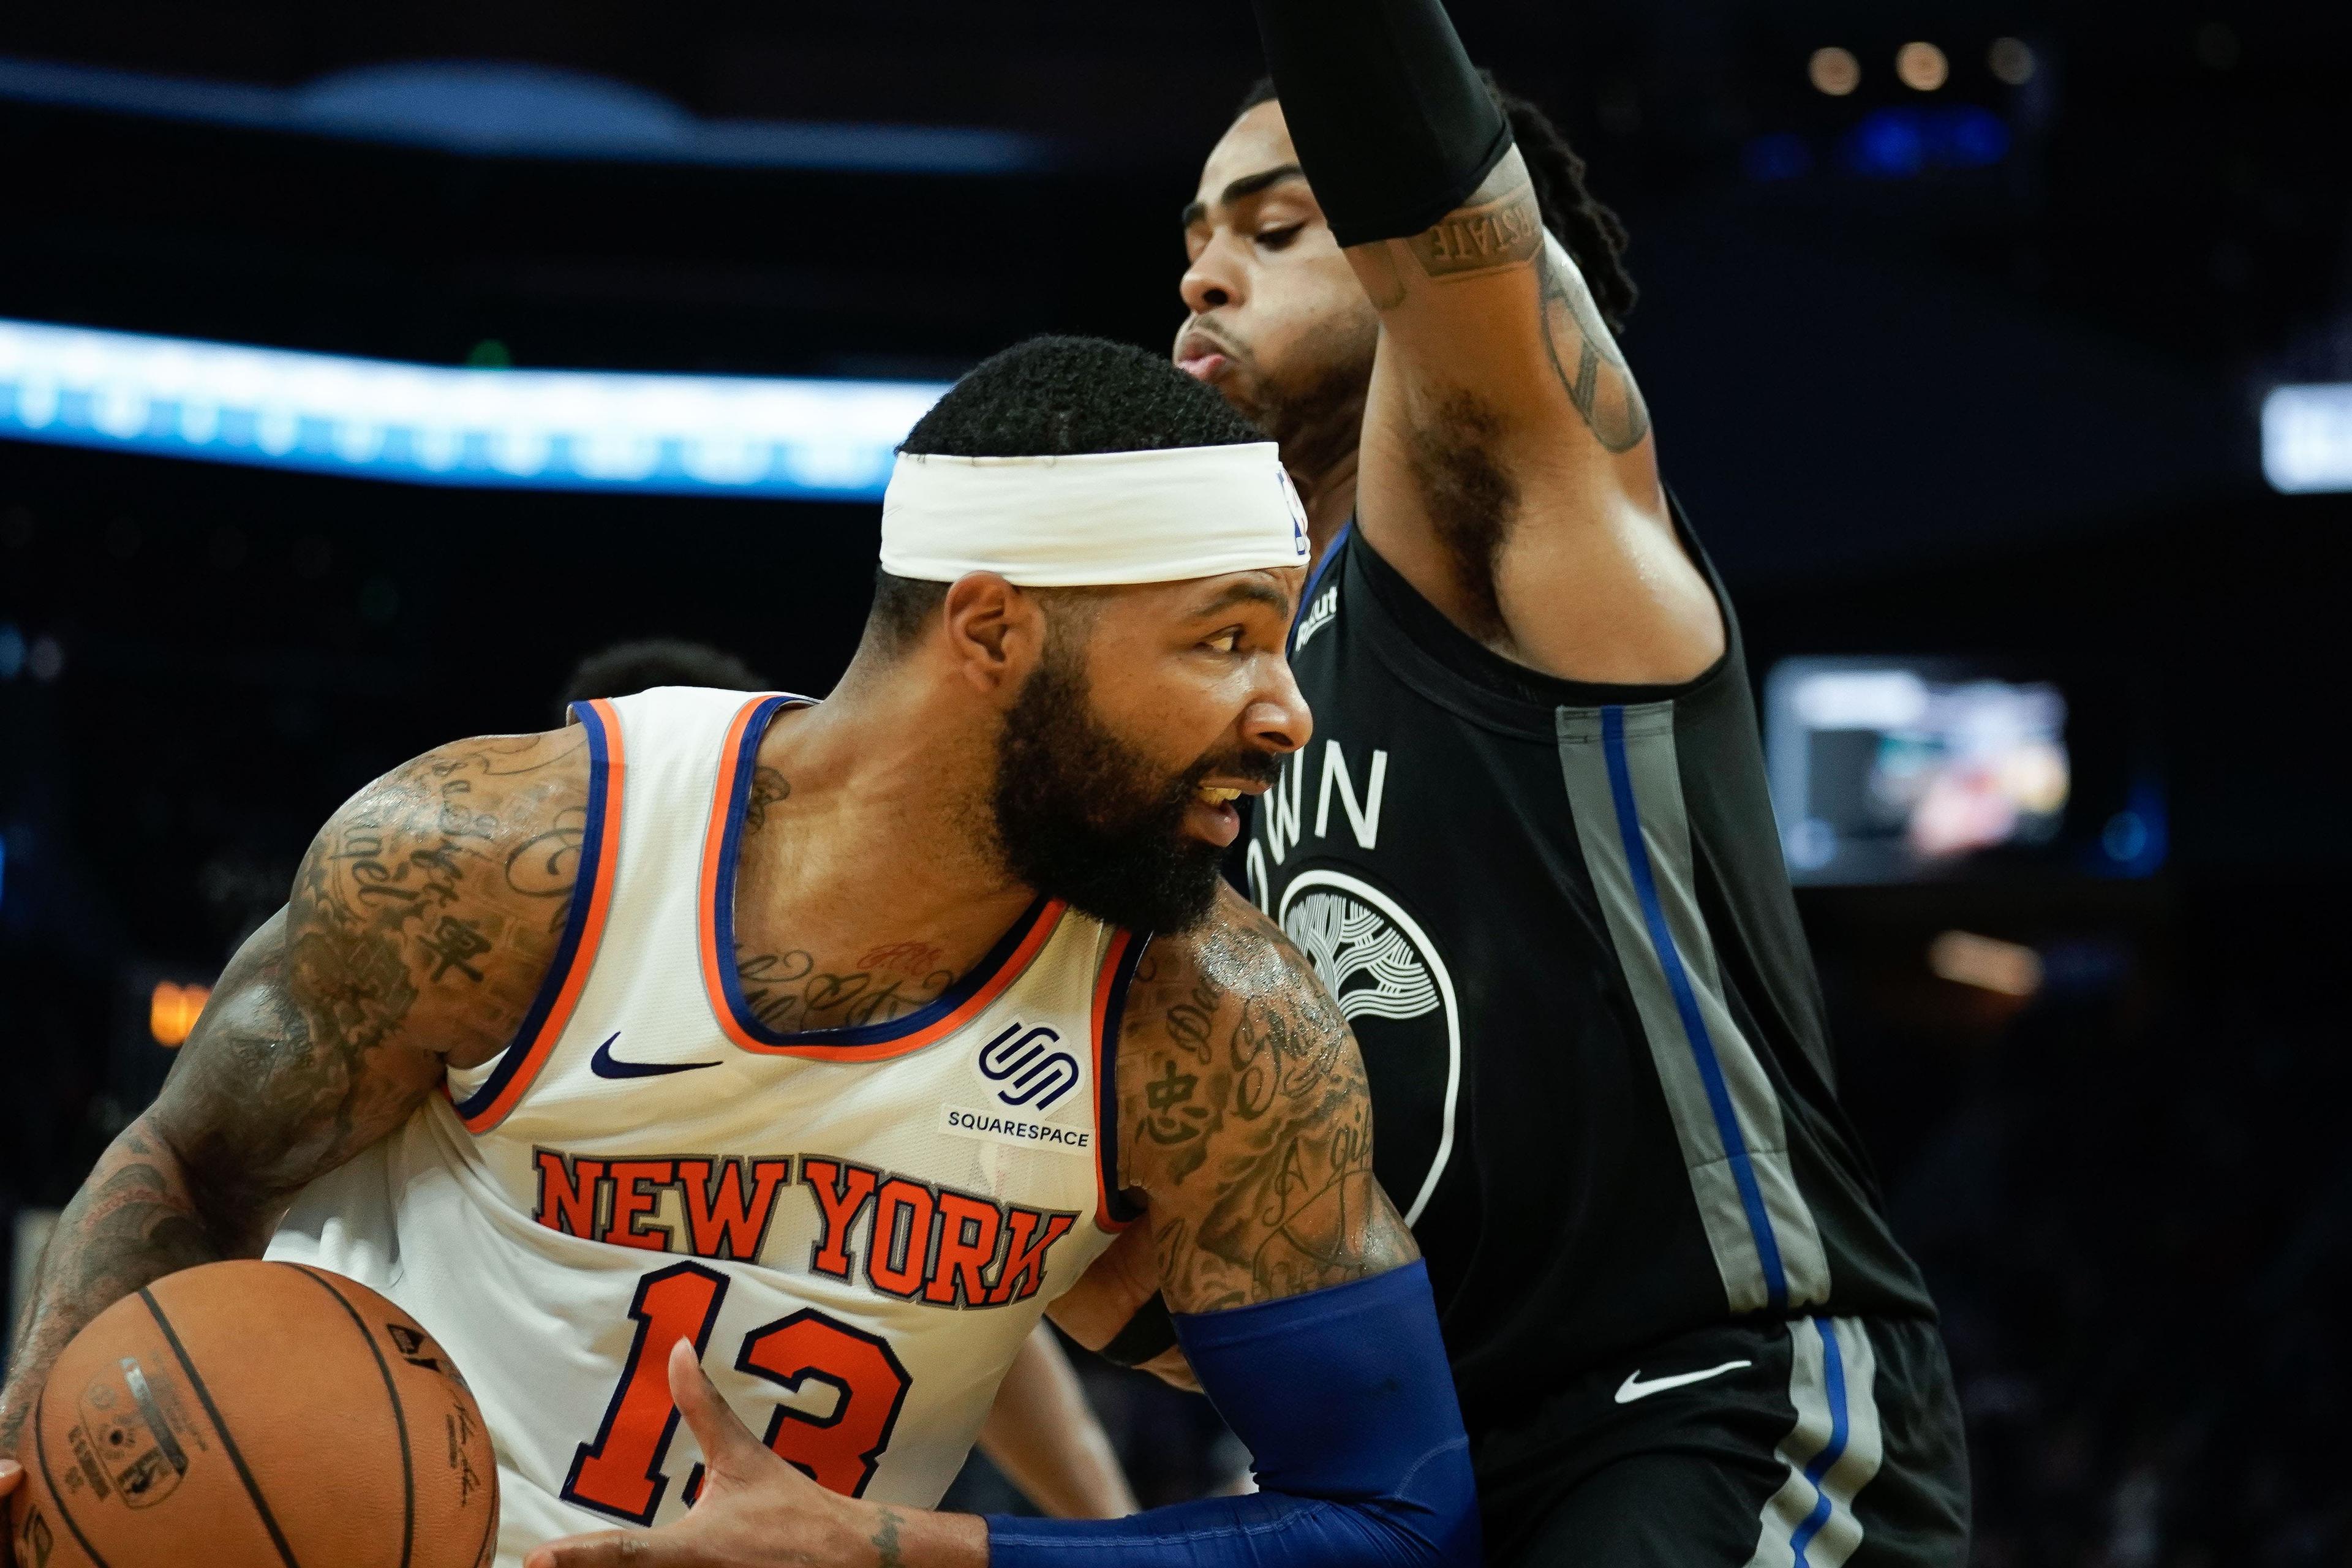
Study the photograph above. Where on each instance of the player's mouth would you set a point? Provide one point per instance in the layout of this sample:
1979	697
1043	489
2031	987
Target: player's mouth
1211	815
1202	357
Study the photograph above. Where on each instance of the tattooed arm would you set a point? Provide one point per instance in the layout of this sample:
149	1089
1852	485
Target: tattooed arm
1506	466
417	930
1246	1123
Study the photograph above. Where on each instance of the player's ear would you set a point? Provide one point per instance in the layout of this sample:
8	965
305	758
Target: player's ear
995	632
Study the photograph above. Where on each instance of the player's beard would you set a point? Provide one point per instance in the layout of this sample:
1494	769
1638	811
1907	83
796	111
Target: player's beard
1081	814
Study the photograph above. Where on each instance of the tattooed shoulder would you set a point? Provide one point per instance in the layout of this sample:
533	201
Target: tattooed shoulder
1245	1120
440	891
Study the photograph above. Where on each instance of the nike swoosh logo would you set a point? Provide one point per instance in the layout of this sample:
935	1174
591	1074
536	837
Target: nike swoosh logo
1633	1388
605	1064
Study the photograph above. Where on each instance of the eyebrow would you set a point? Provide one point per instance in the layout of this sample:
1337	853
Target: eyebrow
1243	188
1247	593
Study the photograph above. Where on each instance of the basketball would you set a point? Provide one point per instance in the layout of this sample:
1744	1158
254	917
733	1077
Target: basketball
251	1412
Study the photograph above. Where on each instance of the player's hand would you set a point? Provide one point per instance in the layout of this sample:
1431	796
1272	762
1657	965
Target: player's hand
754	1510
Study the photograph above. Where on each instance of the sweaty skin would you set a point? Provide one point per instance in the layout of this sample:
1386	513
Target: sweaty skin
427	910
1505	464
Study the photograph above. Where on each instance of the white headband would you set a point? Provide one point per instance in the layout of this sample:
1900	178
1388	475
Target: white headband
1093	521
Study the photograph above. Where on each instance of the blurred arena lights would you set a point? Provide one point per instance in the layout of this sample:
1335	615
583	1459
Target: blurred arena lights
1964	958
1922	66
2307	439
805	438
1898	144
173	1011
2011	60
503	110
1835	71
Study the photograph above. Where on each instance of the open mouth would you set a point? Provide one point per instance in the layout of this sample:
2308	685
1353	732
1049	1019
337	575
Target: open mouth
1202	357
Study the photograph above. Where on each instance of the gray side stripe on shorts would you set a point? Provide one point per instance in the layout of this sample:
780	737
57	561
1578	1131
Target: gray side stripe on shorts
1626	792
1831	1452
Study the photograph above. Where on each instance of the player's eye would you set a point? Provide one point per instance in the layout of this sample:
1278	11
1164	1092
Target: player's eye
1226	641
1279	238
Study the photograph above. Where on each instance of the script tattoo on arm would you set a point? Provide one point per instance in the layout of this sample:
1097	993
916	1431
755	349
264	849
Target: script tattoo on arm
1246	1121
415	936
1505	232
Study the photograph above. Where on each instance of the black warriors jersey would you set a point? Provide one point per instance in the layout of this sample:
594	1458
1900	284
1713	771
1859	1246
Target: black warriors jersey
1555	916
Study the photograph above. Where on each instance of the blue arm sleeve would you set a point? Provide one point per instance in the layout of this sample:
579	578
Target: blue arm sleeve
1344	1402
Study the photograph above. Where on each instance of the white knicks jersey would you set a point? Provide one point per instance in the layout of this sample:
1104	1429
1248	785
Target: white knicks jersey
857	1227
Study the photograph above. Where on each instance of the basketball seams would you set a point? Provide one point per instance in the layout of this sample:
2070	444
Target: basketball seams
399	1415
41	1452
220	1426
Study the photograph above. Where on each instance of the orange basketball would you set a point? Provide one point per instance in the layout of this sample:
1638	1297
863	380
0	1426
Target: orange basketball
254	1414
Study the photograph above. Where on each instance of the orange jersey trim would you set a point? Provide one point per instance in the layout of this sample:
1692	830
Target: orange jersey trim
591	902
721	844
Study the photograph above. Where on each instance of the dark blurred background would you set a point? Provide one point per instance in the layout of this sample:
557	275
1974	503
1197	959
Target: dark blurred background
1958	359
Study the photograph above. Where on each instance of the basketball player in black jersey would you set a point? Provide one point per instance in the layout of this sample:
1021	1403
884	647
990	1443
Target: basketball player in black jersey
1530	850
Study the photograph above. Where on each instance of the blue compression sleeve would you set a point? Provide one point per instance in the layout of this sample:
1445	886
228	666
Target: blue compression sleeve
1344	1399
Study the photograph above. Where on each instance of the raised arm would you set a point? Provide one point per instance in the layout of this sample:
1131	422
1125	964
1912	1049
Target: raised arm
422	919
1507	468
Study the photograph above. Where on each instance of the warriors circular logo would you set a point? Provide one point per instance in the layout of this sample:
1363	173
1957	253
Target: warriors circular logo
1392	986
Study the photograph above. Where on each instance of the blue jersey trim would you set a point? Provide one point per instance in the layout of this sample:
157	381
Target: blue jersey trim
723	919
1702	1046
575	919
1833	1374
1121	1209
1315	580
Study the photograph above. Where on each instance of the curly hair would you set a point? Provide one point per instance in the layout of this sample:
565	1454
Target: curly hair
1592	232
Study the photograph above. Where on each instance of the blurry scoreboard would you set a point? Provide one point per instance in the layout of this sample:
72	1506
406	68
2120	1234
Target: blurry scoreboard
1915	769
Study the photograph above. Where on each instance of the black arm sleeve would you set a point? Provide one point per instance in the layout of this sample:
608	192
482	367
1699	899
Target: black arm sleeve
1150	1332
1392	126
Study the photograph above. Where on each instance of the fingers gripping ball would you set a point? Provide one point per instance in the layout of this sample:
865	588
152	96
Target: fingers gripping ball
253	1414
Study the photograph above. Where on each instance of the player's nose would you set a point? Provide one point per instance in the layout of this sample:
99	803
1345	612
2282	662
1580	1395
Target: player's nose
1278	720
1213	280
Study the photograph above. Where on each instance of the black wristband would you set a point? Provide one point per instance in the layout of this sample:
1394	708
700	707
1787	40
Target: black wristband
1392	126
1147	1334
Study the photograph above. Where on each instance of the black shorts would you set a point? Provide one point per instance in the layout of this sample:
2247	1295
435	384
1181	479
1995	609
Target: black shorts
1821	1443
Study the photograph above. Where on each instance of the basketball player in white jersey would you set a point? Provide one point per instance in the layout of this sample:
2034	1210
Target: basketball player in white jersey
823	1045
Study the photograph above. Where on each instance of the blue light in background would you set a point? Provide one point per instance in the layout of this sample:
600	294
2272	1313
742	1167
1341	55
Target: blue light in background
2134	840
2307	437
500	110
790	438
1902	143
1782	156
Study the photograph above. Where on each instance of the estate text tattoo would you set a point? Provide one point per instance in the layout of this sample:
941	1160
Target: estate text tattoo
1506	232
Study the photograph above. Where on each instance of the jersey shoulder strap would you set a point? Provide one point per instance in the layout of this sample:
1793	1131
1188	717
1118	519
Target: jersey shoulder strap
660	765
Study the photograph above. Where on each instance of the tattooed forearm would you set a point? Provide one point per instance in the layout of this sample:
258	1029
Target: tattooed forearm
1586	359
132	1223
885	1540
1256	1152
415	933
1505	232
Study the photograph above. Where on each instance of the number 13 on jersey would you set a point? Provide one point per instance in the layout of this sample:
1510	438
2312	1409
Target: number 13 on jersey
620	1472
